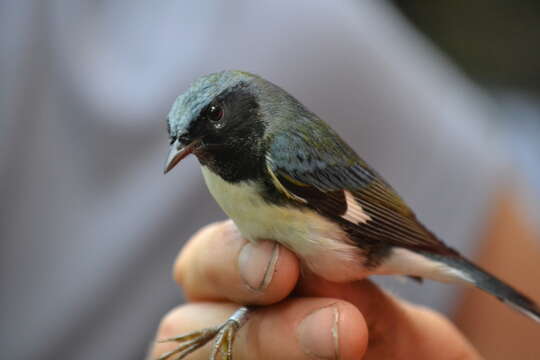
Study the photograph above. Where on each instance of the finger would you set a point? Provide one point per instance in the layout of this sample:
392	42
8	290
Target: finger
187	318
305	328
423	333
308	328
218	264
376	305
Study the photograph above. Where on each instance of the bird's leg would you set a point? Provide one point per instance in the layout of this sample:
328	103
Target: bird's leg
223	334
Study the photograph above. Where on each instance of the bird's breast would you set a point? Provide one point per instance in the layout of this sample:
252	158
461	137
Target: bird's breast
321	243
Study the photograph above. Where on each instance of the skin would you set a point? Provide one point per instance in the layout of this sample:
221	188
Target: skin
509	242
366	314
369	317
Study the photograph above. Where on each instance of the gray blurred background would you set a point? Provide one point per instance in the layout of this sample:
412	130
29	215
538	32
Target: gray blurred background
496	43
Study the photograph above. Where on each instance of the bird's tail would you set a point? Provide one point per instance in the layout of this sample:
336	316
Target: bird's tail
489	283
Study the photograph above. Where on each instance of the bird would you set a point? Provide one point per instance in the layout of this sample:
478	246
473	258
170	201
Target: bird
281	173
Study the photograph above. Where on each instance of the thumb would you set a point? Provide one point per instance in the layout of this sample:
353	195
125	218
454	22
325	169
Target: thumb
396	328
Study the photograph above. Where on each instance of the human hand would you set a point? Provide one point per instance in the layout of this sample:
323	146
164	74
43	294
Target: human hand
218	270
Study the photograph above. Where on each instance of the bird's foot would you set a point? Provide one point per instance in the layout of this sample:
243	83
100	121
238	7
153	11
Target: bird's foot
223	334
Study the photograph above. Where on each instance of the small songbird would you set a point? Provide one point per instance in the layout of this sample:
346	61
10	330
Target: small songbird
281	173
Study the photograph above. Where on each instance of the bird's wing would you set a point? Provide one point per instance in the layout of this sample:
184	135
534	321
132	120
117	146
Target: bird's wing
321	171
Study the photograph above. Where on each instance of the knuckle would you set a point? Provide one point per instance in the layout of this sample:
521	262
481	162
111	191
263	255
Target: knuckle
211	229
170	324
183	260
179	273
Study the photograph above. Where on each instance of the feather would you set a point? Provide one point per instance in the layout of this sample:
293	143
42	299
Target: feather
322	172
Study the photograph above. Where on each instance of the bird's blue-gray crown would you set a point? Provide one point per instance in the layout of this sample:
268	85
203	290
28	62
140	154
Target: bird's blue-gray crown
188	105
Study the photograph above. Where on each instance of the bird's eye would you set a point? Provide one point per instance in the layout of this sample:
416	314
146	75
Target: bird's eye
214	113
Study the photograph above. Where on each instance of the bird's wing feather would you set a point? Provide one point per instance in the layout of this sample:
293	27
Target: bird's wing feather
321	171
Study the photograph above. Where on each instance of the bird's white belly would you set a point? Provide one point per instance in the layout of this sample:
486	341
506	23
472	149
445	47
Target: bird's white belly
320	243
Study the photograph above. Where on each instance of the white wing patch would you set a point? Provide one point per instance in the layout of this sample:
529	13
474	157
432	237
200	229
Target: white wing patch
355	213
322	245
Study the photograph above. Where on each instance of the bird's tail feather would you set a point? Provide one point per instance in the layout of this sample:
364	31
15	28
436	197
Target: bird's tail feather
489	283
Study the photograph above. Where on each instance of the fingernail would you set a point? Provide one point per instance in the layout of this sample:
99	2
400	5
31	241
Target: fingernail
319	333
257	263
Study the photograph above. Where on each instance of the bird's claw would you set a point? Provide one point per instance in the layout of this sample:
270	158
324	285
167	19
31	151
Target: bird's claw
188	343
223	344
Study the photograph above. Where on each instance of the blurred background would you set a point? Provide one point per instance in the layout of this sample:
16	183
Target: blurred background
442	97
493	43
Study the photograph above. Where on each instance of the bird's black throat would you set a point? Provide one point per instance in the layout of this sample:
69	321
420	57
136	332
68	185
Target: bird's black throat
235	152
232	164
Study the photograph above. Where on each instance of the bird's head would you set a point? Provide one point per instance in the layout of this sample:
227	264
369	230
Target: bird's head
222	119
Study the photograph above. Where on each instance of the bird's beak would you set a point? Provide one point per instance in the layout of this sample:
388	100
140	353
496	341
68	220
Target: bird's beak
177	152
